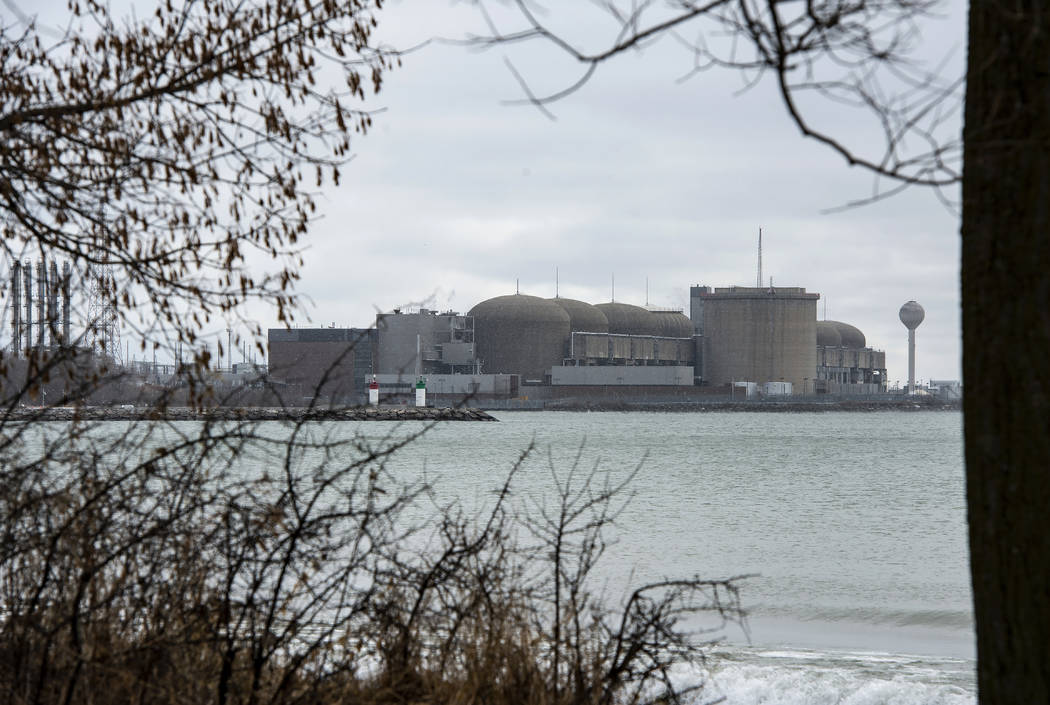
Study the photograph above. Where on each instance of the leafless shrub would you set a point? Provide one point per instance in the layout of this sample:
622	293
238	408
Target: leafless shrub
192	575
171	160
506	609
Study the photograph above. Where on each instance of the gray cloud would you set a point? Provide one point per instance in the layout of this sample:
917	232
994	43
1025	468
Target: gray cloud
454	195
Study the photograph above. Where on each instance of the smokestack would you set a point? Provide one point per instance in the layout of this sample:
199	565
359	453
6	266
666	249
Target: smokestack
67	275
52	304
41	301
16	308
27	279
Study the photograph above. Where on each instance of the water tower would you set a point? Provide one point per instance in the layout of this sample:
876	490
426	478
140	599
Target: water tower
912	314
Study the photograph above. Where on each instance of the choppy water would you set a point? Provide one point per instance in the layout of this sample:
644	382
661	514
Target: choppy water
854	523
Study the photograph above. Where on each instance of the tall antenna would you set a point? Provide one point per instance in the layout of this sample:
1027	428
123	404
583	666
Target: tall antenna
517	286
612	294
555	282
759	258
647	291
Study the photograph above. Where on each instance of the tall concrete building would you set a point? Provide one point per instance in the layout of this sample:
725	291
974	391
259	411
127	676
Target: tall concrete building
331	364
759	334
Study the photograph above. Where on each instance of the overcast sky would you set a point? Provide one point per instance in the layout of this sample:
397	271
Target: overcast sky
455	196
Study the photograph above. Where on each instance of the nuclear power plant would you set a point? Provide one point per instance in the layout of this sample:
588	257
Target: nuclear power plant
736	341
748	342
761	341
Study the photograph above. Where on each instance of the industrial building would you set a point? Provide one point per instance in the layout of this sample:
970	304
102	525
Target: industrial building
766	337
845	364
758	334
426	342
331	363
535	337
538	338
450	388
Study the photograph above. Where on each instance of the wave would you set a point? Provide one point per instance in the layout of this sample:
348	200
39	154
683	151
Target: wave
934	618
749	676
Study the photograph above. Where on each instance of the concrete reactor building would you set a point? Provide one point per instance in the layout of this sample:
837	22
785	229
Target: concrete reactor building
758	334
568	342
520	334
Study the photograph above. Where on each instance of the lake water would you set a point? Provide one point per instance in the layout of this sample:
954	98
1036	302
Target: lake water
854	524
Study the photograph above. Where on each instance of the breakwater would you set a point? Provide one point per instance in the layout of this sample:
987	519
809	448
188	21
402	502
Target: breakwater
129	412
792	406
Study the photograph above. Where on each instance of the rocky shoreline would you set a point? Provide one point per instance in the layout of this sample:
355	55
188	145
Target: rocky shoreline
759	406
130	412
140	413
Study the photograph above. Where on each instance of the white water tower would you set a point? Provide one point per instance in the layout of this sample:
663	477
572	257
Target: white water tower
912	314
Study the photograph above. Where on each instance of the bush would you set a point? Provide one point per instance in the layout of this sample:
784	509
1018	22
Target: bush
138	569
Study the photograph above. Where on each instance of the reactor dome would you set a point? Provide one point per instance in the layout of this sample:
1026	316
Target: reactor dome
912	314
583	317
851	336
828	334
674	324
625	319
519	334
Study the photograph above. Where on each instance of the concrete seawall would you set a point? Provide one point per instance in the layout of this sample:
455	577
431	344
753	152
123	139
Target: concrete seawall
138	413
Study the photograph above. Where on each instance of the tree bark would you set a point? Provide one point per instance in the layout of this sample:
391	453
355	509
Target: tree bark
1006	340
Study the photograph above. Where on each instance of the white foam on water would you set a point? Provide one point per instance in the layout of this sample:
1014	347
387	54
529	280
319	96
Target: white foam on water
764	685
803	677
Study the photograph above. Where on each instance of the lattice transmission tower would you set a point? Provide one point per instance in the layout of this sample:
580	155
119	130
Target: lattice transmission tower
103	324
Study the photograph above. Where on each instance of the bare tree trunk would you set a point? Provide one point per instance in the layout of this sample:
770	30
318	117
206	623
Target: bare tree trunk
1006	336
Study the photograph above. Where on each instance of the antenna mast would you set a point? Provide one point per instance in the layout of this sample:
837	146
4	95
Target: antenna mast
759	258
